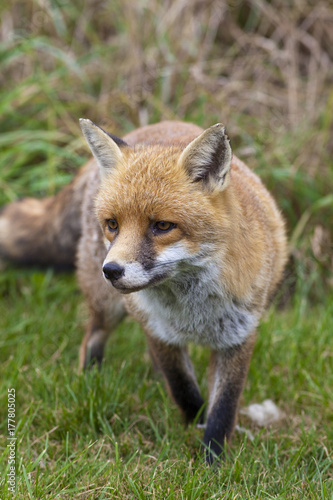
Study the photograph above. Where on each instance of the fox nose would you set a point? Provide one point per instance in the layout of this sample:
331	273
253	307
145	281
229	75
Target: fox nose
113	271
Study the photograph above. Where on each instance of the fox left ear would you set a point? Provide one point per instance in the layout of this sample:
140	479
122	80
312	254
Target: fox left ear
104	146
207	158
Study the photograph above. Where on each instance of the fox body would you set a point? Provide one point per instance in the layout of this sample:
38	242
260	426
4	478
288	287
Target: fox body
186	239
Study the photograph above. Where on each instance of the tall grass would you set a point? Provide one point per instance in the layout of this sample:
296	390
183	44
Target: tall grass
265	69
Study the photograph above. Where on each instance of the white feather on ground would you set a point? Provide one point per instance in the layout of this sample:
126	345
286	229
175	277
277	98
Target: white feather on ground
263	414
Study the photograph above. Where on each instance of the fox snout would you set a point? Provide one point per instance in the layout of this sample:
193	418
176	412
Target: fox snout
129	277
126	277
113	271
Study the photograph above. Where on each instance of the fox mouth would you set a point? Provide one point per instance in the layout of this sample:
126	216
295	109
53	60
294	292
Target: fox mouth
125	290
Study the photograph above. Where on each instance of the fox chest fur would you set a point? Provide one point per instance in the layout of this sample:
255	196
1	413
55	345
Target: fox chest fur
193	307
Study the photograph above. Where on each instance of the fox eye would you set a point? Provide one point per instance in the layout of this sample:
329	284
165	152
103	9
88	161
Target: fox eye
112	225
163	226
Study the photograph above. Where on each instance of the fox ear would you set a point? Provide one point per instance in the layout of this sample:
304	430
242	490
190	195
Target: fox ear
104	146
207	158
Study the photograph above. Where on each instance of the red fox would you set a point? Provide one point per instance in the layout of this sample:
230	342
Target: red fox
167	226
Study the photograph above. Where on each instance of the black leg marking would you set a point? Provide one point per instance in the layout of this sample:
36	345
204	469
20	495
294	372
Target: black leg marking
186	394
92	347
220	424
228	371
94	355
177	369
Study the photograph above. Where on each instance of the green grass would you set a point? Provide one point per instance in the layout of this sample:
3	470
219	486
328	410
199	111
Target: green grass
116	434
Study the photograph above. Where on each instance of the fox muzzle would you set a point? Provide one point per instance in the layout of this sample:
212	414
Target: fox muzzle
113	271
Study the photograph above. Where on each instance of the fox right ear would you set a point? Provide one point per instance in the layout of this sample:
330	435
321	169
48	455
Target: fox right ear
207	158
104	146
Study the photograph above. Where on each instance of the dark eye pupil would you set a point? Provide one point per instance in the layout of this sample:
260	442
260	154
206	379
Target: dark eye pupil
112	225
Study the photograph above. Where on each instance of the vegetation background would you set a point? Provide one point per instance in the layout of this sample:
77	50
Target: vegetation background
265	69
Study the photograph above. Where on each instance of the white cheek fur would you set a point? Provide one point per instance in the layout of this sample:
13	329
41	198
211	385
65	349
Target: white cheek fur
173	254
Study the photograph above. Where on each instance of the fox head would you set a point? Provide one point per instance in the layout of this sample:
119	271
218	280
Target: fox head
162	208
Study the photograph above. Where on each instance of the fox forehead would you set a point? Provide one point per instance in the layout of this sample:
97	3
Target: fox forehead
149	183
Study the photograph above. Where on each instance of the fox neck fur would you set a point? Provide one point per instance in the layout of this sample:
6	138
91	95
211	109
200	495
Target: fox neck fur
194	307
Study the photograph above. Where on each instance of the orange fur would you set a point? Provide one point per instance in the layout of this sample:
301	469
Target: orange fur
207	278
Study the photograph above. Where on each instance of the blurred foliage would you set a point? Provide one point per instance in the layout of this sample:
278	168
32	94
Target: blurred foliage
264	68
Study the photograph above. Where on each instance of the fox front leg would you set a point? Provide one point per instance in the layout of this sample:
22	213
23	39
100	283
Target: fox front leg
97	333
178	372
227	374
92	346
